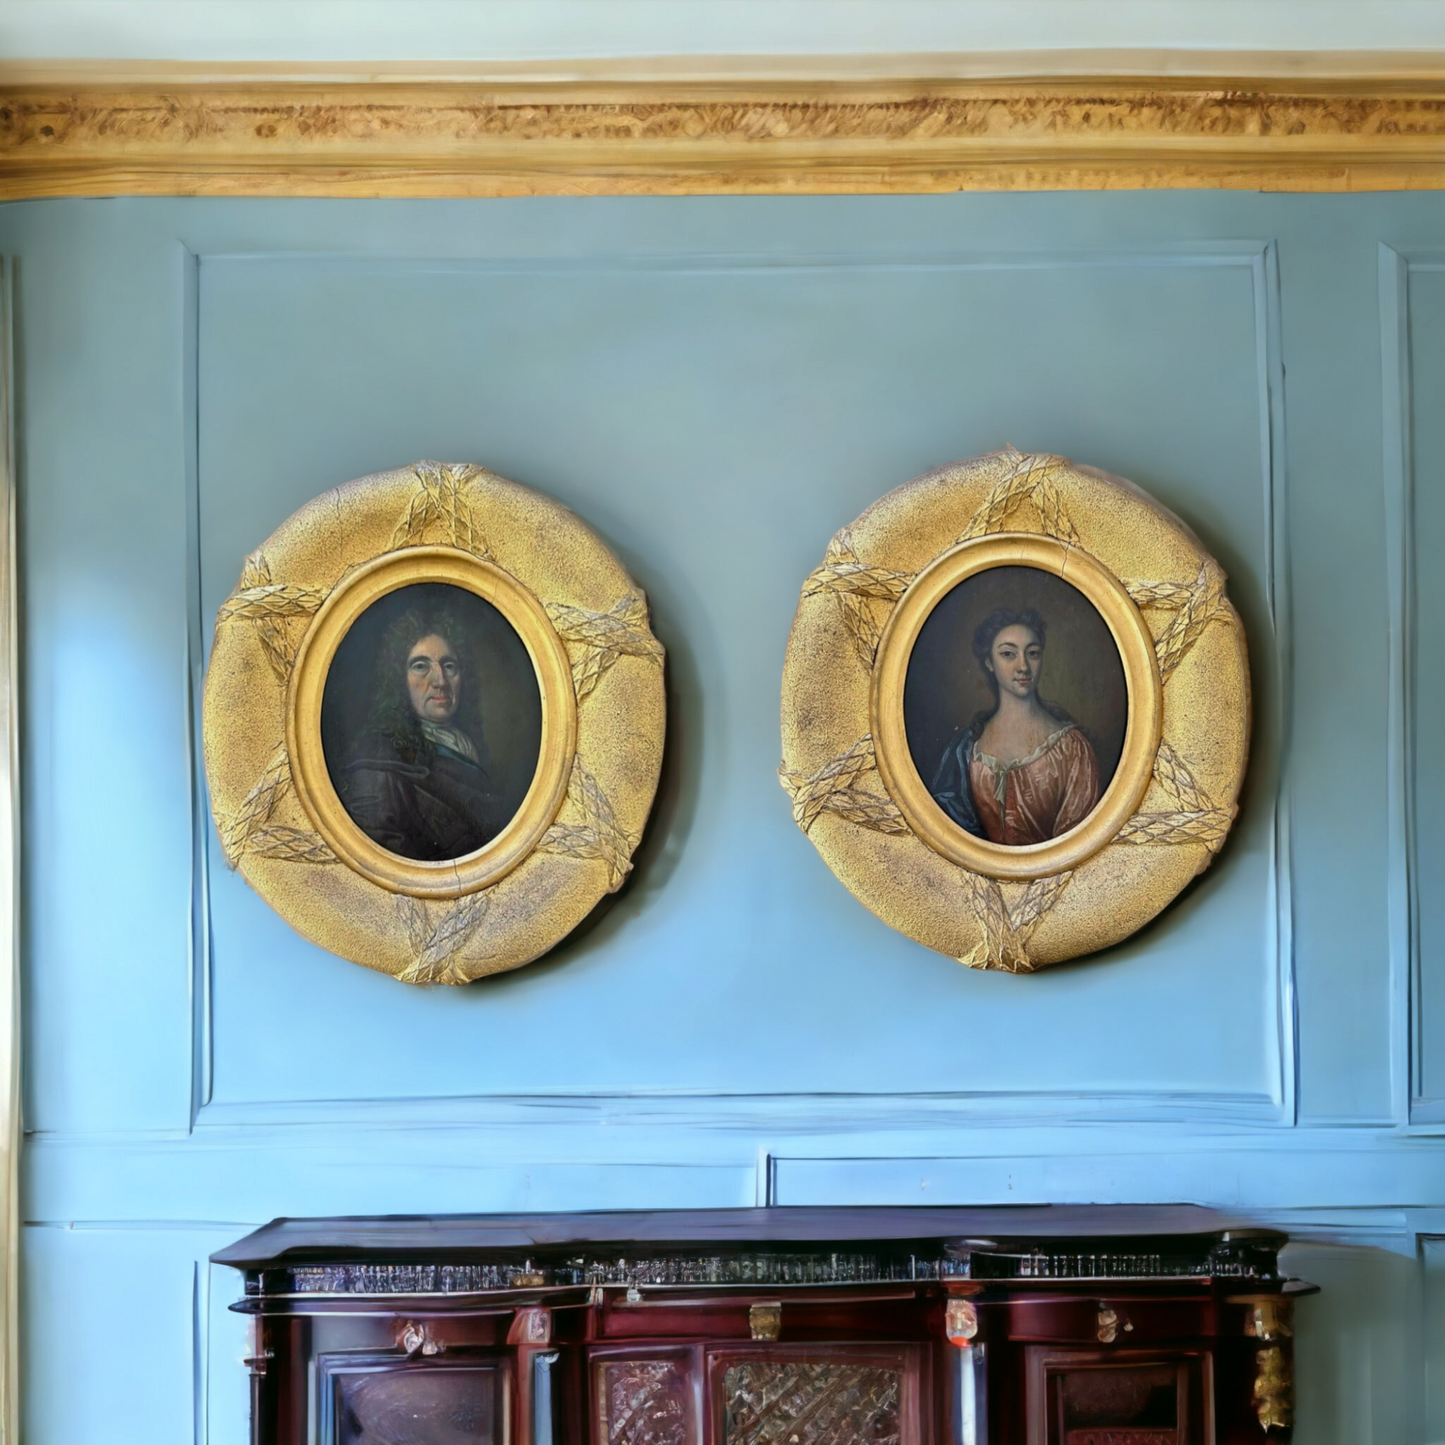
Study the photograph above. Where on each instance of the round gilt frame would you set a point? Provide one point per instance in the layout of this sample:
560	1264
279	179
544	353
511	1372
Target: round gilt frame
847	766
599	670
1141	734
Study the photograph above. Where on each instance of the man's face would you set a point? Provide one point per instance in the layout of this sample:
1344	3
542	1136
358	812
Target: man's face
433	679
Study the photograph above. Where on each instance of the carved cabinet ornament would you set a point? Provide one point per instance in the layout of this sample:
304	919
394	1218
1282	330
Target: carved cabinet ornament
1016	709
433	722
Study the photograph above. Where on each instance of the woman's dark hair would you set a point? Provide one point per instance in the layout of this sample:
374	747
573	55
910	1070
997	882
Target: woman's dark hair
391	710
983	637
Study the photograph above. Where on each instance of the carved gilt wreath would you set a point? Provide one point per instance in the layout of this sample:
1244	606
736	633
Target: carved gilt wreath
279	788
876	812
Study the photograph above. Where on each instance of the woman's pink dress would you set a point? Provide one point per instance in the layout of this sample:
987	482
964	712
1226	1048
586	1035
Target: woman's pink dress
1040	796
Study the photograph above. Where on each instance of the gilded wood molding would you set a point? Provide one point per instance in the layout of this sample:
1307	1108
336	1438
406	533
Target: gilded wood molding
534	137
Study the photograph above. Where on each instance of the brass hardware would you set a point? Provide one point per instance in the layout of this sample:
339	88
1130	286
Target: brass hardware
1269	1319
1273	1389
531	1326
414	1338
960	1321
1108	1325
765	1321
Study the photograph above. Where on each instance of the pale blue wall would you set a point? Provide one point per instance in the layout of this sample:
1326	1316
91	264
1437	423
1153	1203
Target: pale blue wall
964	31
717	385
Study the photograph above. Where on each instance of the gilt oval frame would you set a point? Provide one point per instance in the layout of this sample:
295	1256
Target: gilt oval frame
846	766
599	669
312	777
1142	729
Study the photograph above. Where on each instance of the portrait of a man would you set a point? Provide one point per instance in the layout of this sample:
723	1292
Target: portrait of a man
431	722
1015	751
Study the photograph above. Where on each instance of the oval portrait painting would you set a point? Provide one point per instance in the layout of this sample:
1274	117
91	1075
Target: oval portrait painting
431	722
1015	706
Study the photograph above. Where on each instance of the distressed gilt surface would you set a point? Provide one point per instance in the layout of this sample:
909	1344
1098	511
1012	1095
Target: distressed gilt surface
519	137
830	764
578	849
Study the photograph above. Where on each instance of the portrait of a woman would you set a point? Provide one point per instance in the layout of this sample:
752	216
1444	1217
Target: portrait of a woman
417	781
1022	772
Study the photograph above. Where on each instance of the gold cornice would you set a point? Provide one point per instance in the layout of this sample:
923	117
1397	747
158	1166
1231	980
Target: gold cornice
526	135
1364	68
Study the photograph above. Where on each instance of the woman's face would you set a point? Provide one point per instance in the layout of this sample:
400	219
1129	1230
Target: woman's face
1016	660
433	679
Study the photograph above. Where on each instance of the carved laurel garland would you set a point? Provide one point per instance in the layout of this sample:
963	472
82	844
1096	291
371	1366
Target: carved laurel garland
1025	499
277	613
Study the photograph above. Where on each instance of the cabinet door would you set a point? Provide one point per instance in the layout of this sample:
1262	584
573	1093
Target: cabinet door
646	1396
387	1401
1123	1397
815	1395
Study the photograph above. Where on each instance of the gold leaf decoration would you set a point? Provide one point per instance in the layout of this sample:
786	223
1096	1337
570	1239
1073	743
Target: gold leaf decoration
833	788
856	587
83	136
439	512
597	639
273	609
1008	927
1193	819
257	807
290	845
1208	826
437	933
597	834
1195	604
1173	774
1027	483
1159	594
1273	1389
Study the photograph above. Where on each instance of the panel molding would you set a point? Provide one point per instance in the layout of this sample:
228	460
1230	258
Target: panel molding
326	1169
1269	358
534	134
746	1113
10	858
1395	381
1396	267
825	1113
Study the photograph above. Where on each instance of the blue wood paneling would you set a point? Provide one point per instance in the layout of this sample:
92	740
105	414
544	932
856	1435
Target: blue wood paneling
717	385
1423	513
704	413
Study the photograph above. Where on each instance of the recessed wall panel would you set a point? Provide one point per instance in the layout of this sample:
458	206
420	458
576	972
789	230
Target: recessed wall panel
1425	676
717	419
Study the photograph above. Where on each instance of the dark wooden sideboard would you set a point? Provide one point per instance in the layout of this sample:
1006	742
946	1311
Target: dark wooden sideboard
1055	1326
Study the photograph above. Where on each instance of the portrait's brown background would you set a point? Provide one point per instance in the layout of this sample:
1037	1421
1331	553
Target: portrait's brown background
511	700
1082	672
